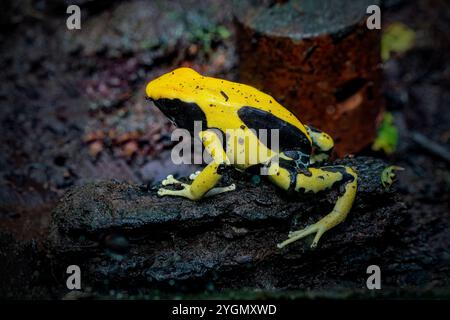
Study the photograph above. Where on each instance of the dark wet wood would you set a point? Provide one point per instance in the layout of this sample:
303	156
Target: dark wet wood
126	235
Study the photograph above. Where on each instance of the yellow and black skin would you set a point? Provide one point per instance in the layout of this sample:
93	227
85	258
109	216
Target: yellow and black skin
185	96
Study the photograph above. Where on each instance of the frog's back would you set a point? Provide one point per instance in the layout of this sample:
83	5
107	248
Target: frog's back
229	105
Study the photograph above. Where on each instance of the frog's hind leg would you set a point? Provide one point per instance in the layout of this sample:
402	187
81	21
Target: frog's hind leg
204	181
315	180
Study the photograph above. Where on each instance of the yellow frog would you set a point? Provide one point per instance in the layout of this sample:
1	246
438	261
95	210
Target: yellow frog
238	112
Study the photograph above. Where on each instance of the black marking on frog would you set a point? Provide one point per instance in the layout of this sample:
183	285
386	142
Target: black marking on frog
224	95
301	161
255	169
314	129
222	168
182	114
290	137
291	167
342	170
346	177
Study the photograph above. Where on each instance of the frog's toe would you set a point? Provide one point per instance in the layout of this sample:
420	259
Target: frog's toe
219	190
185	192
167	192
316	228
170	180
194	175
162	192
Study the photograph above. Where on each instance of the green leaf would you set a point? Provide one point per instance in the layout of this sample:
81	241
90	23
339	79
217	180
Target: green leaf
388	175
223	32
396	38
387	137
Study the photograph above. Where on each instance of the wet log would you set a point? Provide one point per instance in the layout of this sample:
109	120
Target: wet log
125	236
318	59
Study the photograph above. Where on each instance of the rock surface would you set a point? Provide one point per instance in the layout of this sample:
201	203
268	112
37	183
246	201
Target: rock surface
125	235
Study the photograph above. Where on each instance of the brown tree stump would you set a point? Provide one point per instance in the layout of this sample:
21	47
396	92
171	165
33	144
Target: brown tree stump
319	60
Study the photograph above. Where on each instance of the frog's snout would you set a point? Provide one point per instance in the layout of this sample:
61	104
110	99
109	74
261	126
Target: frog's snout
151	90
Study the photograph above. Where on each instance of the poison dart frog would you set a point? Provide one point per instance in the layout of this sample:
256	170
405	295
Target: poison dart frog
241	111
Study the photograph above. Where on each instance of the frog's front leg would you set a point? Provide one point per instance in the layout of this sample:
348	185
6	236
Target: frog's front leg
170	180
204	181
314	180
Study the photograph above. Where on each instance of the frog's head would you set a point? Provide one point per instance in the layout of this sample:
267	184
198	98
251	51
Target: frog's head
175	94
176	84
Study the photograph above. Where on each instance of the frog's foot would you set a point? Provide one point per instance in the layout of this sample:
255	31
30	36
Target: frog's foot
219	190
170	180
194	175
318	228
187	191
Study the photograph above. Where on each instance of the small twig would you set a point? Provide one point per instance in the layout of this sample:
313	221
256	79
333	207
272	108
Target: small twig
431	146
